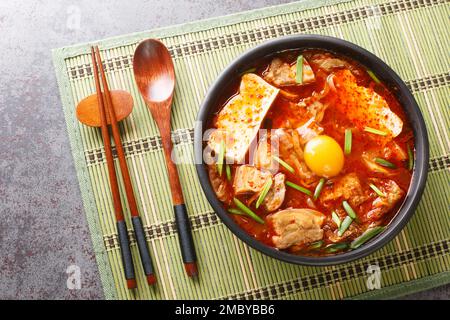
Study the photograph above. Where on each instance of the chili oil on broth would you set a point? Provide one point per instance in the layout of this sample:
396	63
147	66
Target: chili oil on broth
283	114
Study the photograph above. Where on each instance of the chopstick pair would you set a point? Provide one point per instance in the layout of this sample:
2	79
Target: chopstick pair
122	230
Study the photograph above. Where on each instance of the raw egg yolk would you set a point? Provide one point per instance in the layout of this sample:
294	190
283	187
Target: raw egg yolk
324	156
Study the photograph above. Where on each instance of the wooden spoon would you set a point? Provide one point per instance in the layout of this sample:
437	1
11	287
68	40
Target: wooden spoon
88	108
155	77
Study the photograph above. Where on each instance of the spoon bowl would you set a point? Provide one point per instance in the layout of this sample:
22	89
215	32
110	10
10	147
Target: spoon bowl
155	77
154	71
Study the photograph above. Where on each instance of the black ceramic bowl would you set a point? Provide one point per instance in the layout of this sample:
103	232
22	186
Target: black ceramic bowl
216	94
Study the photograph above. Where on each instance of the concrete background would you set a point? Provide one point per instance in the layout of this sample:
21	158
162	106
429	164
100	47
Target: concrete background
42	227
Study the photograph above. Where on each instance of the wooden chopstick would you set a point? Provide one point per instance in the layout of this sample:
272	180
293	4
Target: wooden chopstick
122	230
135	217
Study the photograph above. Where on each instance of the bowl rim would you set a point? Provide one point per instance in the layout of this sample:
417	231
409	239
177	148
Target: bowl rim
385	74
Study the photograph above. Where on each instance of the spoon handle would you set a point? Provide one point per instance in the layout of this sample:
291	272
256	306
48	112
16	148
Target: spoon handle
181	216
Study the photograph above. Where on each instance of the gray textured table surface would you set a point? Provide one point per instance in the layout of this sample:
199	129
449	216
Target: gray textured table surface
42	227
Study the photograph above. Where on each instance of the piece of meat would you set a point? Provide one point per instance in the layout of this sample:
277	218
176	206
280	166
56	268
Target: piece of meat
249	179
368	158
365	108
326	62
239	121
291	151
348	188
392	150
309	130
281	73
296	227
352	232
275	197
219	185
381	205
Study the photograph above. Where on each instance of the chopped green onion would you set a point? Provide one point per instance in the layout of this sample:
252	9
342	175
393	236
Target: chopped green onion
349	209
385	163
375	131
247	211
336	218
344	225
228	171
251	70
336	247
298	188
373	76
284	164
319	188
377	191
316	245
366	236
348	141
236	211
410	159
221	157
299	74
264	192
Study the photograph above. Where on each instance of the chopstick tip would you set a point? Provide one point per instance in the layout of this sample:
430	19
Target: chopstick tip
151	279
191	269
131	283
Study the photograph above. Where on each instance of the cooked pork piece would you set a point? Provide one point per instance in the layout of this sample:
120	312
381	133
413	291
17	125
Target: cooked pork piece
369	160
249	179
309	130
381	205
296	227
219	185
348	188
275	196
281	73
365	108
291	151
239	121
352	232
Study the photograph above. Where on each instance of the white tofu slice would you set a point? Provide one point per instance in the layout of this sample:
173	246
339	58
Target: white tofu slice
239	121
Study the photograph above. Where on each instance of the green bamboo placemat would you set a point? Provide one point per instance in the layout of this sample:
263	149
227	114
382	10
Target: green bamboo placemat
410	35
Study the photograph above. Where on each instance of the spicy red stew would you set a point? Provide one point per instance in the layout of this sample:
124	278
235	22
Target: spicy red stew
312	153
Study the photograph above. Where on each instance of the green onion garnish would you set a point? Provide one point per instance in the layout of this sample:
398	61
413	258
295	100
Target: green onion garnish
236	211
299	74
316	245
373	76
336	247
377	191
336	218
284	164
366	236
298	188
319	188
344	225
264	192
375	131
348	141
410	159
228	172
221	157
247	211
385	163
349	209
